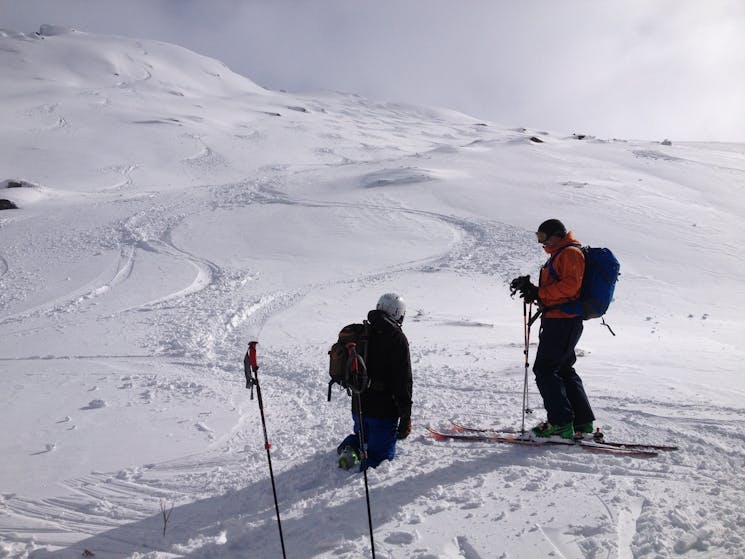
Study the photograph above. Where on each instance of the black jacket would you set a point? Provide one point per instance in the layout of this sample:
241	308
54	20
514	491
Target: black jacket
389	368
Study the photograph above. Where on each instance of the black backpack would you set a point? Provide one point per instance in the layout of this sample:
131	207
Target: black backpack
347	359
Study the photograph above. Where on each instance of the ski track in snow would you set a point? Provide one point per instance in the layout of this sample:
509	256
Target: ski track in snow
67	302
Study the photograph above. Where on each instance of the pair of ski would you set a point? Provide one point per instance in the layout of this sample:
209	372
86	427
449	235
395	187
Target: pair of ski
592	443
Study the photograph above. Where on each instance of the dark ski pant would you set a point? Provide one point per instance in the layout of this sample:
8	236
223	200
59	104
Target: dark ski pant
380	439
561	388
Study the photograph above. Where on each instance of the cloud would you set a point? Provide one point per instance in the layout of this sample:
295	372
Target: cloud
631	68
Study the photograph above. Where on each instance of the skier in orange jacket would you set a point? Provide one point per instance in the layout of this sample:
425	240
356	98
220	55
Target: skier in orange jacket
562	390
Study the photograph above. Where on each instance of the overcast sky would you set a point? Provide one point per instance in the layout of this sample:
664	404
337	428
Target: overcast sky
649	69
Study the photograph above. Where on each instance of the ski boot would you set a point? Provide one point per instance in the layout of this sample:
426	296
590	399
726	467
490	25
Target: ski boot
546	430
584	428
348	458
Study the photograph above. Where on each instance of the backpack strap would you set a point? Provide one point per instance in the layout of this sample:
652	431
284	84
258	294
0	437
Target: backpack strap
550	263
555	275
365	338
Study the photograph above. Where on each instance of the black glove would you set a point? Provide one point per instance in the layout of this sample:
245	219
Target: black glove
518	284
404	428
529	293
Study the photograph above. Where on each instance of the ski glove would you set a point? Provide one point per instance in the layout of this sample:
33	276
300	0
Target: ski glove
404	428
529	293
518	284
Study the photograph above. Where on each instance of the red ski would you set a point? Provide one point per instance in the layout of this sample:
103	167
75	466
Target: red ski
591	446
598	437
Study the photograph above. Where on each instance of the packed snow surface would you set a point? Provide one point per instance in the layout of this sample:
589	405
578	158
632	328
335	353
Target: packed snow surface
170	211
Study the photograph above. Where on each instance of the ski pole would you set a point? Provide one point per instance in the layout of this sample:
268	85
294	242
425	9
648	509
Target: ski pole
351	347
527	322
250	365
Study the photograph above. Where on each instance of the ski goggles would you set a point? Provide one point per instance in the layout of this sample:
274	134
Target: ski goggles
542	237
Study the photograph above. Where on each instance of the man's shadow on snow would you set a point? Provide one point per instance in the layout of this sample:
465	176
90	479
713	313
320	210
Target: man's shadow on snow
243	523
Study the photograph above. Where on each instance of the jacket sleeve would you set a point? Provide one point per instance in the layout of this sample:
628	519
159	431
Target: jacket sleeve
404	385
569	265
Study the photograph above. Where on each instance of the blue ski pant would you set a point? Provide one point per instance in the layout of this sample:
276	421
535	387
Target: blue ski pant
380	439
561	388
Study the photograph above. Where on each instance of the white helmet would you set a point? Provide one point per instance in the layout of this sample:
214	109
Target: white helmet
393	305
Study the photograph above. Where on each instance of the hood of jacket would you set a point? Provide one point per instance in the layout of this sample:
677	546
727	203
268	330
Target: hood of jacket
381	322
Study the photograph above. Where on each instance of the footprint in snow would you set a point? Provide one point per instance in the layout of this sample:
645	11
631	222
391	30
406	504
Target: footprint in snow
95	404
202	427
49	447
400	538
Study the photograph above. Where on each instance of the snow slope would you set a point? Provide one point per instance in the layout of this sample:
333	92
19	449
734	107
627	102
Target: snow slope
171	211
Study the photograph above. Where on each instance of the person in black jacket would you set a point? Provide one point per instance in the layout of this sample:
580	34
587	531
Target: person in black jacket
386	403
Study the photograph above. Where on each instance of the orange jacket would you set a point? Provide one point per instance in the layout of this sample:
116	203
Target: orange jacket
569	266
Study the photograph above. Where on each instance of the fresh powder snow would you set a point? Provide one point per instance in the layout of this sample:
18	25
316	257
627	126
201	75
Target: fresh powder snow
170	211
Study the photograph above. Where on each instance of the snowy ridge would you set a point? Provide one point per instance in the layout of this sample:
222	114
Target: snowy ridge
170	211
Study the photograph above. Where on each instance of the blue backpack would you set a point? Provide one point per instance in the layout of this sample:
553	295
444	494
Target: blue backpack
598	284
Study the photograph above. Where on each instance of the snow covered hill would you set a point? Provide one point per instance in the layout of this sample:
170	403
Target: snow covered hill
170	210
